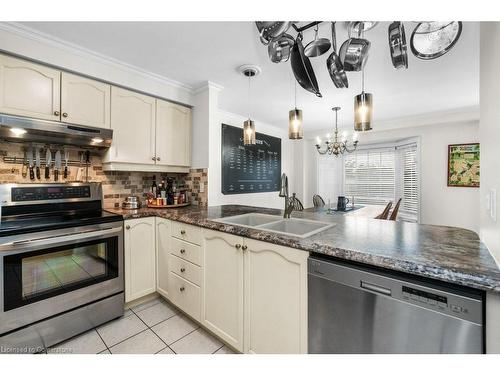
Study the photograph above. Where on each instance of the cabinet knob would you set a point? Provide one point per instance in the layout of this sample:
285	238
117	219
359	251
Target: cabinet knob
127	227
183	231
244	247
183	251
237	246
181	289
153	158
56	113
65	114
157	159
183	269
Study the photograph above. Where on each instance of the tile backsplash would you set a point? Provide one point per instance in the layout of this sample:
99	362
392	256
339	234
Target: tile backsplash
116	185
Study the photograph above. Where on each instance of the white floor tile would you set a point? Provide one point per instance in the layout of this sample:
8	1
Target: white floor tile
143	343
174	328
167	350
197	342
86	343
146	305
156	313
118	330
225	350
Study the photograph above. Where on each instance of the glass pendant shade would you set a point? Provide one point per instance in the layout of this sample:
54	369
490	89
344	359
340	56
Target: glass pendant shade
248	132
363	111
295	124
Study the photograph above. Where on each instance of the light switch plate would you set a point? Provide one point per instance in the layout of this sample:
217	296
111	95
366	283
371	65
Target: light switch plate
493	204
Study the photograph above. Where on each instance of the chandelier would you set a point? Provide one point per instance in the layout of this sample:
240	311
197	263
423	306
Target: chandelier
336	147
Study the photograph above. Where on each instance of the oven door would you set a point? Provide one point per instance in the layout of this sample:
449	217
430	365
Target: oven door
48	273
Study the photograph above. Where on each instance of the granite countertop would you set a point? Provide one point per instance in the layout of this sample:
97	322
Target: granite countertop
443	253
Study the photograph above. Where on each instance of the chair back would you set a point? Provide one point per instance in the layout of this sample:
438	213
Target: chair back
394	213
318	201
385	213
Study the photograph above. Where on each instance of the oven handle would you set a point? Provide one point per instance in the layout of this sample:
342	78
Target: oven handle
63	237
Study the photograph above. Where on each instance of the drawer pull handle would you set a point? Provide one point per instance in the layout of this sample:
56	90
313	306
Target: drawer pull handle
183	231
181	289
56	113
183	269
183	251
237	246
244	247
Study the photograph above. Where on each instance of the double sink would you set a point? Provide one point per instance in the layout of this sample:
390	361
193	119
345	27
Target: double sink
301	228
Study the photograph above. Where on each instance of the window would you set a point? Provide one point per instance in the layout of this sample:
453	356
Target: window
379	174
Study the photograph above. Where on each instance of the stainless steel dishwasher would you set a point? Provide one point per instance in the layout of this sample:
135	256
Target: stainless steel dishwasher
357	309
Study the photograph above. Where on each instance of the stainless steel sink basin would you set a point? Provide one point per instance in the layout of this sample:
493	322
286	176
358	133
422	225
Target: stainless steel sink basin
296	227
291	227
249	220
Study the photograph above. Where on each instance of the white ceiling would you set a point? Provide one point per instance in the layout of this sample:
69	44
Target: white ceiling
194	52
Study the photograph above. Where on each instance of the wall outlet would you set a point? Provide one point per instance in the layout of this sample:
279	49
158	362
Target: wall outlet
202	187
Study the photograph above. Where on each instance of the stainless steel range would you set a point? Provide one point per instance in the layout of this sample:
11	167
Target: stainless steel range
61	264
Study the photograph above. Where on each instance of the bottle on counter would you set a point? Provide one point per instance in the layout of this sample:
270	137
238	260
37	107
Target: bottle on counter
154	187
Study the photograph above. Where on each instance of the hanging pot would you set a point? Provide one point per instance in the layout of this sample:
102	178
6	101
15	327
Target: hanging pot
353	53
270	30
397	45
280	48
334	66
318	46
302	68
431	40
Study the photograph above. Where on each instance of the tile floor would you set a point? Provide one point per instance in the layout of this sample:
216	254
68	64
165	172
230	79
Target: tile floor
154	327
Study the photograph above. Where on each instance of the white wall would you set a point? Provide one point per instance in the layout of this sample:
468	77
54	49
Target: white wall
271	199
440	204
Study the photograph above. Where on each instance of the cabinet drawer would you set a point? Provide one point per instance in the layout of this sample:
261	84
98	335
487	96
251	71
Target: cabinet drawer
185	295
186	250
185	269
186	232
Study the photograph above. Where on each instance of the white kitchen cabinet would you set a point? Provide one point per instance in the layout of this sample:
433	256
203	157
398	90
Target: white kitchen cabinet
133	124
140	258
162	255
222	290
29	89
85	101
173	134
275	290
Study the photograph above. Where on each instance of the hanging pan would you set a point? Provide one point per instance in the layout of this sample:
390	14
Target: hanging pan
279	49
334	66
302	68
354	52
318	46
268	30
397	45
431	40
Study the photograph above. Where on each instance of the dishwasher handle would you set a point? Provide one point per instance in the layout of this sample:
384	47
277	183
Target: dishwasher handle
375	288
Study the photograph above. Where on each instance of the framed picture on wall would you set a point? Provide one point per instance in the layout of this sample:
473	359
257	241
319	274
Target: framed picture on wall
463	165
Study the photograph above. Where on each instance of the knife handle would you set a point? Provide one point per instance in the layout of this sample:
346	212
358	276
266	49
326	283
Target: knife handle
32	173
65	172
47	172
38	173
56	175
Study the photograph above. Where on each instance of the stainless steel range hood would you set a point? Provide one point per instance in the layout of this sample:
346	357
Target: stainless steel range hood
25	129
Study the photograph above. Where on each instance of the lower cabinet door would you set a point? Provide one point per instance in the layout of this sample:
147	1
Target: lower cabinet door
185	295
162	255
140	258
275	299
222	290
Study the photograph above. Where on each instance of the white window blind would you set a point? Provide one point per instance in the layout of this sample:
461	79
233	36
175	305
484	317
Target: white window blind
370	176
408	183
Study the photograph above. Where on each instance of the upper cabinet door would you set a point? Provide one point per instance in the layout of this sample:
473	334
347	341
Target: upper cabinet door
173	134
85	101
133	124
28	89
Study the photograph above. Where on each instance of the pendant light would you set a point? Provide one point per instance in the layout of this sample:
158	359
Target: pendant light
249	125
295	120
363	108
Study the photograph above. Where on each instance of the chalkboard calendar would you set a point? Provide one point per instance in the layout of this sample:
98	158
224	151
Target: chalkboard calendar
249	169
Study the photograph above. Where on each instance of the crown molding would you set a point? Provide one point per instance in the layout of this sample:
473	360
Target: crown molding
40	37
206	86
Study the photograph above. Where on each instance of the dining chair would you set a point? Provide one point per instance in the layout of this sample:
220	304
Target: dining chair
296	203
385	213
318	201
394	213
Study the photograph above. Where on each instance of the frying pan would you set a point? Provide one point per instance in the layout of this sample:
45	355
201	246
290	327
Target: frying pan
302	68
431	40
269	30
353	53
397	45
334	66
318	46
279	48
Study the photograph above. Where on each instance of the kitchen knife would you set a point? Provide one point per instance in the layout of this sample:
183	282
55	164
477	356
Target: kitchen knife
30	161
66	157
37	163
48	161
57	165
24	169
